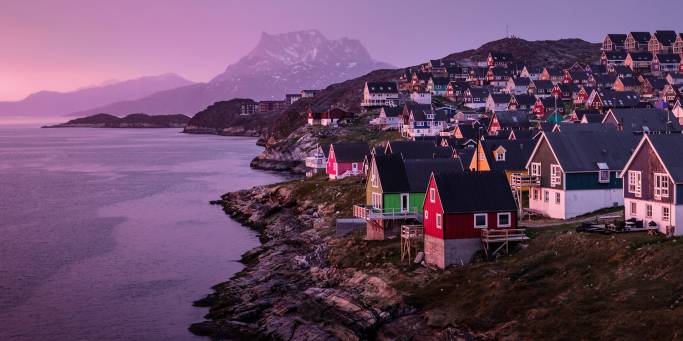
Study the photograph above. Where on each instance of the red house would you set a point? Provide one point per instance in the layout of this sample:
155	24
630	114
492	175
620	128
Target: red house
458	207
346	159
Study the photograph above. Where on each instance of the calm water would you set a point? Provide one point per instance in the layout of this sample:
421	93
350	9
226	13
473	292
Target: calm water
106	234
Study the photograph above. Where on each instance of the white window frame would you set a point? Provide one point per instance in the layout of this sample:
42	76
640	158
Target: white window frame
635	183
377	200
509	215
432	195
546	196
535	169
373	180
426	215
648	211
666	213
555	175
500	156
602	179
661	185
439	221
634	207
558	198
486	220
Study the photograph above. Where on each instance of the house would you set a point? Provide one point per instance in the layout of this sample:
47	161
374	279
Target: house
651	86
553	74
248	107
662	42
637	41
614	42
425	123
457	73
665	62
640	62
522	102
477	76
389	118
317	161
508	120
309	93
653	183
466	116
497	76
291	98
582	95
502	59
546	106
346	159
586	116
642	120
421	97
670	94
378	94
576	172
674	78
497	102
476	98
395	192
455	90
270	106
604	99
437	86
541	88
531	72
678	44
517	85
576	77
454	217
596	69
506	156
331	117
408	108
564	91
617	57
626	84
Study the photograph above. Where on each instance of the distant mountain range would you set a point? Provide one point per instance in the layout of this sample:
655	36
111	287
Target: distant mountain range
52	103
279	64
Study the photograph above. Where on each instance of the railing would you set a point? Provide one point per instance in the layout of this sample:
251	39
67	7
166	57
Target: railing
350	173
372	213
518	180
412	231
316	162
503	235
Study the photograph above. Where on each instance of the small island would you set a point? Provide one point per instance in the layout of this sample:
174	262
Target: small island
138	120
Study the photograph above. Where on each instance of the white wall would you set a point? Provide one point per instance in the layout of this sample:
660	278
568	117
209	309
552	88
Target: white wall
576	202
675	212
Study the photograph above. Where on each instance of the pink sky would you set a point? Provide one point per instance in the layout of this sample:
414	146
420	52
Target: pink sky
67	44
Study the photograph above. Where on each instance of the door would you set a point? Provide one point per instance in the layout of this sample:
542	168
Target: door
404	202
354	168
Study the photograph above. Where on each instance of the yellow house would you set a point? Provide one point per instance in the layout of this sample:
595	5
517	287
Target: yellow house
509	156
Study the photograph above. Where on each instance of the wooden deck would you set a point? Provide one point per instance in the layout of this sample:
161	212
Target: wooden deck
412	237
500	239
371	213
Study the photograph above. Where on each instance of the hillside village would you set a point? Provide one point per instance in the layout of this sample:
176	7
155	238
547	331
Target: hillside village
554	142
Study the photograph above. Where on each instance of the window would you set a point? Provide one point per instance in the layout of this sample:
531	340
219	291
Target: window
557	198
634	208
536	169
432	195
426	214
546	196
604	176
373	180
535	193
661	186
665	213
480	220
504	220
634	183
377	200
500	156
438	221
648	211
555	175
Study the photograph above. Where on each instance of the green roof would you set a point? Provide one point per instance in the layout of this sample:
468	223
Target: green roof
555	118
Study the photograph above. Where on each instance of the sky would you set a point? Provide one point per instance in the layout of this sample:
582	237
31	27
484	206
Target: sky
64	45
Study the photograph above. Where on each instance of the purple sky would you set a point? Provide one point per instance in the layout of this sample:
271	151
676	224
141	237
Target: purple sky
67	44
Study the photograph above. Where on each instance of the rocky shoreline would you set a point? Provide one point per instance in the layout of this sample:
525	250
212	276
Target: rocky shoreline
290	290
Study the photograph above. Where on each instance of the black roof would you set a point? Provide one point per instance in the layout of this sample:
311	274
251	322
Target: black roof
382	87
392	111
473	192
582	150
423	149
629	81
500	98
501	56
392	174
419	170
669	58
668	147
525	99
517	153
617	38
594	126
646	120
513	119
615	55
521	81
350	152
543	84
641	37
666	38
619	99
641	56
593	116
478	92
325	147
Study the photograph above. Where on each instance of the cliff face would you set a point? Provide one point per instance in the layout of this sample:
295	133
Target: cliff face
224	118
130	121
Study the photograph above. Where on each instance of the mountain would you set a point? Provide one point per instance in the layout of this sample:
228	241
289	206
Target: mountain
562	52
224	118
138	120
52	103
279	64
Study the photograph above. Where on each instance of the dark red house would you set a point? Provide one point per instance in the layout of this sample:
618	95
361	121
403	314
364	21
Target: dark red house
346	159
458	207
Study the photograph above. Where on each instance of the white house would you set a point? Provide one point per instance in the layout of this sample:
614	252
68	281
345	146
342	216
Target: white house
421	97
378	94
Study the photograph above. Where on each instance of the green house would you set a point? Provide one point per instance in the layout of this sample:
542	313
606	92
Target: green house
395	191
